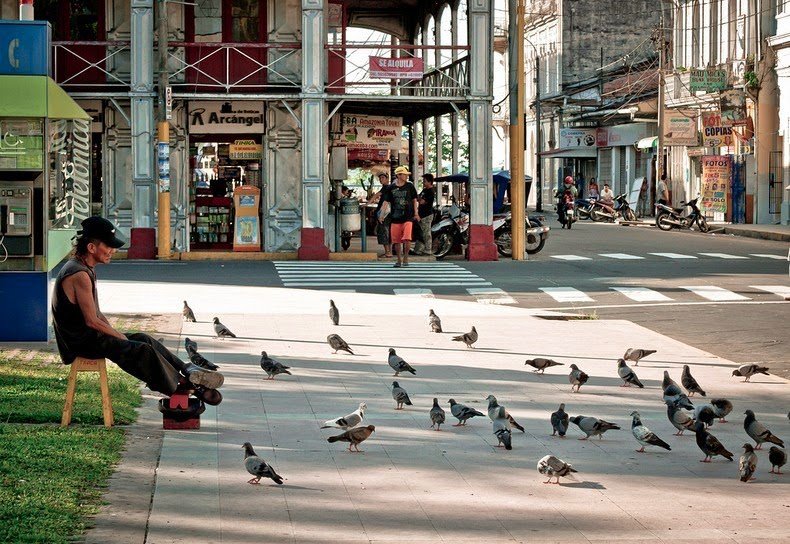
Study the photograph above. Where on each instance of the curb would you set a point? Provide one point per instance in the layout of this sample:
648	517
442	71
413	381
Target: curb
759	234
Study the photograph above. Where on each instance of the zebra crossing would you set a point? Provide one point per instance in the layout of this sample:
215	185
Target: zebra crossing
669	255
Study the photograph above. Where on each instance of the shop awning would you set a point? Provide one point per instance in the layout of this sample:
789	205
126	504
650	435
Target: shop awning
36	96
651	142
571	153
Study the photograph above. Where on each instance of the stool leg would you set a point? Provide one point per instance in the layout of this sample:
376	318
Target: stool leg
106	402
70	390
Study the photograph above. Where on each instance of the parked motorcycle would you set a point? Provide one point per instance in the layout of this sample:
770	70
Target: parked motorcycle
603	211
565	209
583	208
536	234
668	218
451	230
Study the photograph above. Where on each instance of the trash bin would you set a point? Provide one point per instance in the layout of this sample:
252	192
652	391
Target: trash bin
349	215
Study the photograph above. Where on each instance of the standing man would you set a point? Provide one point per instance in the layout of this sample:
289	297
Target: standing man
402	197
383	225
425	209
662	192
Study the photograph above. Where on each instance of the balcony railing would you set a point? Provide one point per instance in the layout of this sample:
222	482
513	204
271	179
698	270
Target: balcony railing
82	65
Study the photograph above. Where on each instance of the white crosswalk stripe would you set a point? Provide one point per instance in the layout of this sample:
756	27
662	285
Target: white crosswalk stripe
642	294
422	293
711	292
566	294
374	274
781	290
571	257
491	295
769	256
724	256
622	256
674	255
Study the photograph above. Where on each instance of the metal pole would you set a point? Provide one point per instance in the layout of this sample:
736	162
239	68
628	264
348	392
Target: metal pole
163	138
538	139
661	97
517	201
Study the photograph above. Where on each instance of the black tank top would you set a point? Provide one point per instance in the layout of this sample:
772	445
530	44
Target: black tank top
73	336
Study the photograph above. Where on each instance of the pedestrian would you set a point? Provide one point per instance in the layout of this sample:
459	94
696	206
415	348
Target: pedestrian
82	330
607	196
642	207
425	199
594	195
402	197
383	223
662	191
579	185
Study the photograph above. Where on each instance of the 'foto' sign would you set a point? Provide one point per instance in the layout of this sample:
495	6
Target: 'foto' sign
398	68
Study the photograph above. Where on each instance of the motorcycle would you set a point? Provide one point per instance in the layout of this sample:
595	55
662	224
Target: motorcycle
668	218
602	211
536	234
583	208
452	229
565	209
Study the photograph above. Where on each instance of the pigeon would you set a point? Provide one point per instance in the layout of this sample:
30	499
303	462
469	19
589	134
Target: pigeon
493	407
190	345
552	466
721	407
628	376
592	426
747	464
705	414
354	437
434	322
502	428
462	412
559	421
258	467
758	432
577	378
778	458
690	383
337	343
679	419
709	444
645	436
400	396
635	354
673	393
468	338
437	415
221	330
347	422
540	364
272	367
747	371
667	381
398	364
188	314
334	313
201	361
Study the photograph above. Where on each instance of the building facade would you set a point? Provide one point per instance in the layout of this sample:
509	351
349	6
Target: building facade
781	45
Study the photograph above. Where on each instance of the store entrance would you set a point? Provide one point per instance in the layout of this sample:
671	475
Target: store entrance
219	165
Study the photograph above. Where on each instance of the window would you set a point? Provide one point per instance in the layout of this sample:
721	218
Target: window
245	21
696	34
714	32
77	20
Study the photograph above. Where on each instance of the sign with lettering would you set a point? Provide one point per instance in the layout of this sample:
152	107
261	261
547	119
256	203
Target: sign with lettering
216	117
714	133
396	68
708	80
244	150
680	128
70	172
577	137
715	182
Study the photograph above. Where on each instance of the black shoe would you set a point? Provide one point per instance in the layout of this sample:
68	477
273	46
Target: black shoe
202	377
210	396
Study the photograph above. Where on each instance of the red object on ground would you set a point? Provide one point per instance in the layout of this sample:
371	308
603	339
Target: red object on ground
142	244
180	402
312	247
481	243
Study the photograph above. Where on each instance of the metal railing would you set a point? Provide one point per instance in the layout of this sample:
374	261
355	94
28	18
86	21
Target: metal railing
87	64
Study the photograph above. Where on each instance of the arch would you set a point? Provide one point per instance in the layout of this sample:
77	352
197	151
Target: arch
445	18
430	40
463	23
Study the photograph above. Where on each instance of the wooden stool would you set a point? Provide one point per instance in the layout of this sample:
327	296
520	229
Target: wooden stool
81	364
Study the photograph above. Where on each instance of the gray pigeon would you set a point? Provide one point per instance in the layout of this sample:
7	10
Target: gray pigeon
645	436
493	410
628	376
673	393
272	366
221	330
201	361
188	314
553	466
709	444
721	407
759	432
667	381
540	364
747	464
690	383
398	364
258	467
679	419
400	396
354	436
592	426
437	415
577	378
434	322
462	412
334	313
502	428
635	354
559	421
190	345
337	343
705	414
778	458
469	338
347	422
747	371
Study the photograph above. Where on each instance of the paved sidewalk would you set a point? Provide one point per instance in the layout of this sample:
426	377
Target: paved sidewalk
413	484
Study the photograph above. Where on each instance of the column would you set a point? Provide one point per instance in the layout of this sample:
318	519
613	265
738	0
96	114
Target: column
437	121
313	246
481	232
144	190
454	116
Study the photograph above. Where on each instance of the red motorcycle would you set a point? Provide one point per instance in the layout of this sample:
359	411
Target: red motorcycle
565	208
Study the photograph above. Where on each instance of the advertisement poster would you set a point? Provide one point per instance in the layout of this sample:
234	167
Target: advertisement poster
715	182
244	150
396	68
714	133
369	137
577	137
680	128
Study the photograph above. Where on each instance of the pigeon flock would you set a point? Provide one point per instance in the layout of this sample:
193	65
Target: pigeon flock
682	413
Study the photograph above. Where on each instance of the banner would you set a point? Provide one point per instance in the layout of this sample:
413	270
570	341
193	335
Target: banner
371	132
680	128
398	68
714	133
244	150
577	137
715	182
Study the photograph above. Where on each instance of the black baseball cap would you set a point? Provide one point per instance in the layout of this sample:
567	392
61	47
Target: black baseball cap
98	228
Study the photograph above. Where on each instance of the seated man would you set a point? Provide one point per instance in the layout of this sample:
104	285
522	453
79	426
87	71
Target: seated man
81	330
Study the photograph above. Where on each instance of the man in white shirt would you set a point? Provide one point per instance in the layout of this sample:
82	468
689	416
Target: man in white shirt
606	194
662	192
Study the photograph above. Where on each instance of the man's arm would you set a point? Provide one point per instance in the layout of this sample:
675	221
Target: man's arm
80	285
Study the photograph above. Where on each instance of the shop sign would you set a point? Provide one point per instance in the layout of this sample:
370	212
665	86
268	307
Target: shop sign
627	134
715	182
396	68
680	128
244	150
707	79
577	137
214	117
334	16
714	133
70	172
25	47
371	132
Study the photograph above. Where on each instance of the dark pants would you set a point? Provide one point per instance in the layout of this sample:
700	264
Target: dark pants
144	358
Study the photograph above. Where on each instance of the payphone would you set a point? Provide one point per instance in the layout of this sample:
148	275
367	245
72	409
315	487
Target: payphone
16	220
